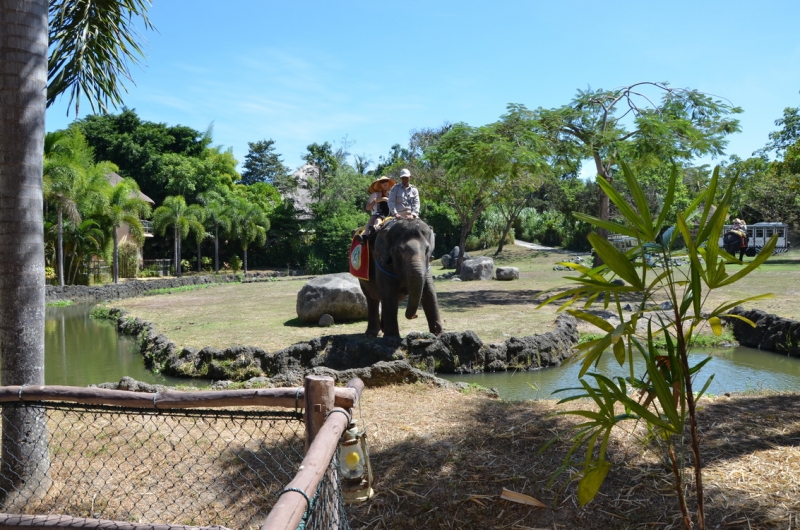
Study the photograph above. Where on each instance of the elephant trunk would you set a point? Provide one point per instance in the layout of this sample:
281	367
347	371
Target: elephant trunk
415	281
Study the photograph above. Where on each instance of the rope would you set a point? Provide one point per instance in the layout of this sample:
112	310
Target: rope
346	415
377	264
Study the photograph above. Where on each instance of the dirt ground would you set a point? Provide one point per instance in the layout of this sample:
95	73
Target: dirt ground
441	460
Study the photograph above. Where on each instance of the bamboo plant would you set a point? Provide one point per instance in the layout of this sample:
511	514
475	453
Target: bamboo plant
670	296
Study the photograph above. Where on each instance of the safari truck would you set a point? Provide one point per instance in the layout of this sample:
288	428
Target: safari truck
759	233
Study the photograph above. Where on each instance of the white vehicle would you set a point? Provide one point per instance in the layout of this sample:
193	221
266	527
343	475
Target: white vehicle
759	233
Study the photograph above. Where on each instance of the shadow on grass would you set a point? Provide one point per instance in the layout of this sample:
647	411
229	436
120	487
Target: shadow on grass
451	475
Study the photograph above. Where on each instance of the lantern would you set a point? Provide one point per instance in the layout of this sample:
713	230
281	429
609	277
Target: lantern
354	466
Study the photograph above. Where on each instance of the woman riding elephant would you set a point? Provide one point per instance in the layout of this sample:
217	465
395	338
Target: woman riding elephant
400	268
736	239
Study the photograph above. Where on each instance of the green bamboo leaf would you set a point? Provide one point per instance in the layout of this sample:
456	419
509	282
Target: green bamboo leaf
611	226
619	352
590	484
723	308
631	217
667	206
640	200
716	325
592	319
743	319
705	387
616	261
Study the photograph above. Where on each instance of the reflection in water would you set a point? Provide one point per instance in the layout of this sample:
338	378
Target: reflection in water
734	369
80	351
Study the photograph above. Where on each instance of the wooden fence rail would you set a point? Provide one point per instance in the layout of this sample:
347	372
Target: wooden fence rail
173	399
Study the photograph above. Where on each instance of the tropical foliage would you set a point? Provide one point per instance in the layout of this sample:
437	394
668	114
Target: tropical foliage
663	398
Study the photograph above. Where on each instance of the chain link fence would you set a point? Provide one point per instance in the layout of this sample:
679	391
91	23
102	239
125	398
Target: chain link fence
175	467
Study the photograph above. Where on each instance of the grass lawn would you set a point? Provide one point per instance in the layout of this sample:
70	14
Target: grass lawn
264	314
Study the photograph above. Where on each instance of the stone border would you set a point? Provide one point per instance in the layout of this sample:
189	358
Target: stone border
453	352
132	288
771	332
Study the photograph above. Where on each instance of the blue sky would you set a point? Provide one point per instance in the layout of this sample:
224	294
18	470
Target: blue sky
303	71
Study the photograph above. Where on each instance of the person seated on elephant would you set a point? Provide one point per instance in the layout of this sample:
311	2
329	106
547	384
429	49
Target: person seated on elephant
377	205
404	198
740	226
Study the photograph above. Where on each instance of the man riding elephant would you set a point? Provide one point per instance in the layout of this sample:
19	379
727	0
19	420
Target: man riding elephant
404	198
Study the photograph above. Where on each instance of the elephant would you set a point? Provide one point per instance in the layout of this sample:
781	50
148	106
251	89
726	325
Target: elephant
400	267
733	242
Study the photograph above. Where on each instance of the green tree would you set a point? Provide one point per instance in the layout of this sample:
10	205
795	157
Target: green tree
217	217
175	214
262	163
479	164
81	242
610	125
137	147
324	160
667	397
125	206
249	225
103	51
72	182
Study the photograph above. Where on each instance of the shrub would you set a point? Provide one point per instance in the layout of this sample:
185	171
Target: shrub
236	263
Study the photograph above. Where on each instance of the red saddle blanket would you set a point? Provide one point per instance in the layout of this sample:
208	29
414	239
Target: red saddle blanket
359	259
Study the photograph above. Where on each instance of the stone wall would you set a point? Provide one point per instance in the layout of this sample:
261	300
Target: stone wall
454	352
771	333
131	288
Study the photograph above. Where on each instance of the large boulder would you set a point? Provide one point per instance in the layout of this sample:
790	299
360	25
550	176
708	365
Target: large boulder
338	295
477	269
505	274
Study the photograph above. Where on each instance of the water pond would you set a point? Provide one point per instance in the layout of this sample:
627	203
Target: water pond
80	351
735	369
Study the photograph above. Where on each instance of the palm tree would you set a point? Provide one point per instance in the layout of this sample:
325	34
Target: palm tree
125	206
217	217
71	177
83	240
175	213
198	229
250	225
90	47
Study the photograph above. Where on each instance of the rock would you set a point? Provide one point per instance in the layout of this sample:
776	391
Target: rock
326	321
666	306
771	333
505	274
338	295
477	269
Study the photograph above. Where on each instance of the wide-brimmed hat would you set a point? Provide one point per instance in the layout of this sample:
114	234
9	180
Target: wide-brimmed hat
405	173
374	187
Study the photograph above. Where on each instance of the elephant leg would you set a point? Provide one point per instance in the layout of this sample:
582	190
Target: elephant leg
373	318
430	305
389	315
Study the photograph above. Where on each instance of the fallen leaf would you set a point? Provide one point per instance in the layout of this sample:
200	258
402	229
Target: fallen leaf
521	498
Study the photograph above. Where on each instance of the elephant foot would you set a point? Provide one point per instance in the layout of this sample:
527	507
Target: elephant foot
372	333
412	317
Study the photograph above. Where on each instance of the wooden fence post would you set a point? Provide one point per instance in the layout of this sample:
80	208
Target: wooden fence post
319	395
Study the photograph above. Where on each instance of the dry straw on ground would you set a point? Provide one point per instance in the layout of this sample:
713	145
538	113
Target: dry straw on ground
442	459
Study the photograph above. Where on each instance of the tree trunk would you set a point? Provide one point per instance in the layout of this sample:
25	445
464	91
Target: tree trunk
216	250
503	237
199	258
604	203
245	261
60	247
115	258
23	78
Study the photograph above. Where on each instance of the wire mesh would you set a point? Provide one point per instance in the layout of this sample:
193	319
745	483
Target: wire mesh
179	467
